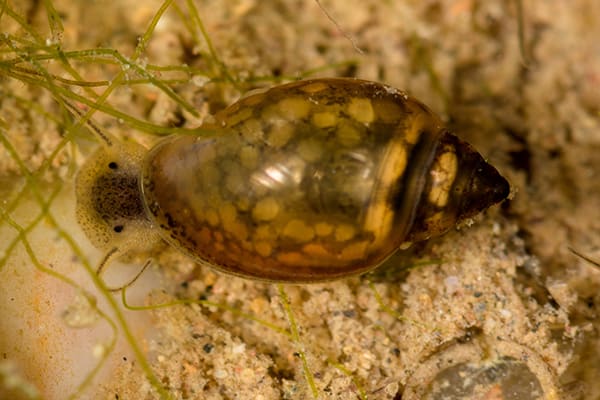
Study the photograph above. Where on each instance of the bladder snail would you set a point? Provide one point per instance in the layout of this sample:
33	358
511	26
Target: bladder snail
309	181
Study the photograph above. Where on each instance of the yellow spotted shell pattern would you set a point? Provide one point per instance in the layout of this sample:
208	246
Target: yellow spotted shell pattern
313	181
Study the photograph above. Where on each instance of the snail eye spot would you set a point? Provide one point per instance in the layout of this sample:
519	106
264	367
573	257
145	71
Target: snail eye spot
113	165
118	228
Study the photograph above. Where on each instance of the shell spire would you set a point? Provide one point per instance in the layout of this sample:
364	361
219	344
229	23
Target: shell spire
459	185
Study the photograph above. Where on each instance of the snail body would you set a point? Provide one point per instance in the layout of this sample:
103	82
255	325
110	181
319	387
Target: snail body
309	181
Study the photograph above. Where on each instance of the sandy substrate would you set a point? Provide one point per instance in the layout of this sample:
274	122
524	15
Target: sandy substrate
499	309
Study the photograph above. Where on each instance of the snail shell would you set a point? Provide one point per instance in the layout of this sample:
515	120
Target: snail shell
309	181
